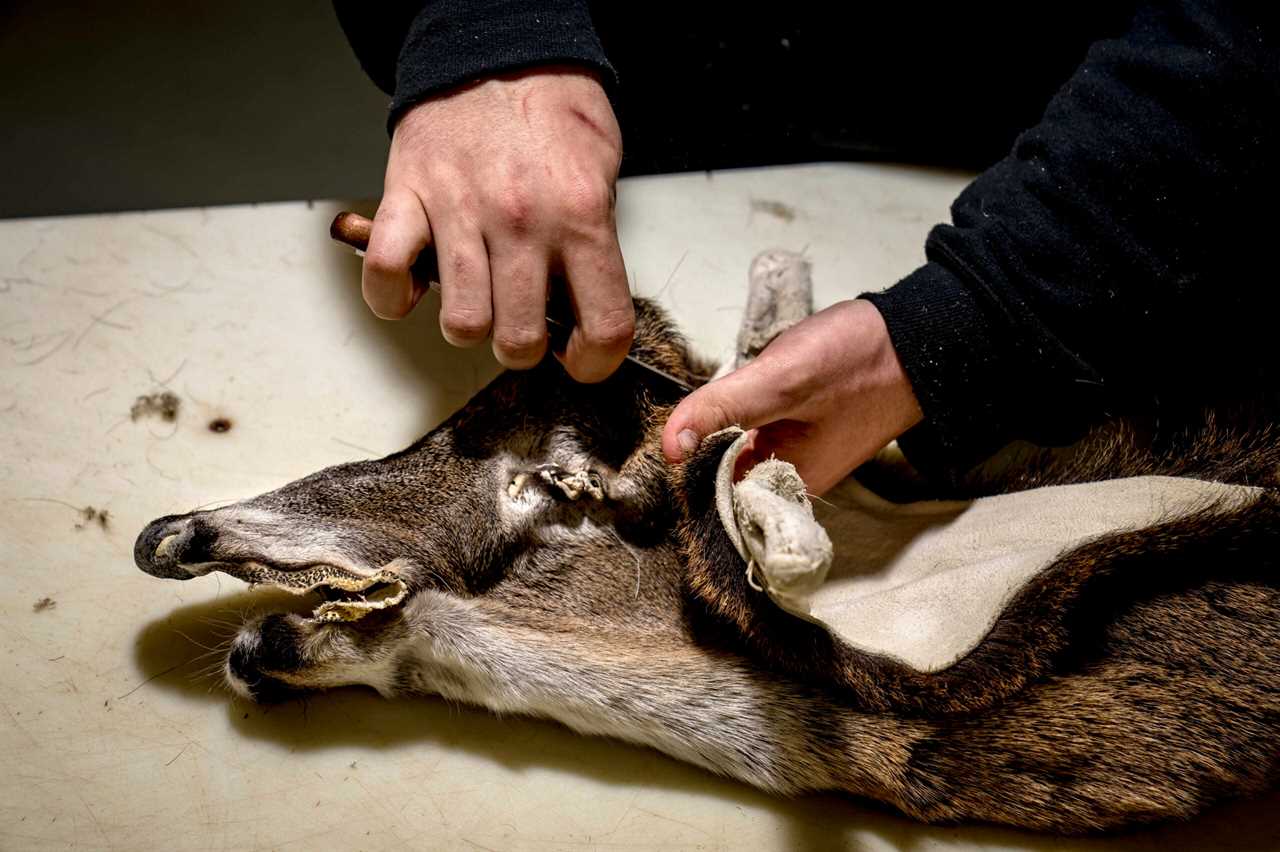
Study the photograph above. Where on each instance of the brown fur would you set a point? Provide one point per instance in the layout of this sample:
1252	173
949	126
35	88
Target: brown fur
1137	679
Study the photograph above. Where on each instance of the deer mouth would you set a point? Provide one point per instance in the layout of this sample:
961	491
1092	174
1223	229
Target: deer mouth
344	594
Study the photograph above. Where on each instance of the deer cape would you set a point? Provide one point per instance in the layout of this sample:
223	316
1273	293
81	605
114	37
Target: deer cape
924	582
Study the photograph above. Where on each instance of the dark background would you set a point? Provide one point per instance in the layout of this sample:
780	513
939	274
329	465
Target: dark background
139	104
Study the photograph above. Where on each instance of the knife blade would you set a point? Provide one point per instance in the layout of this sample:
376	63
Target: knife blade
354	230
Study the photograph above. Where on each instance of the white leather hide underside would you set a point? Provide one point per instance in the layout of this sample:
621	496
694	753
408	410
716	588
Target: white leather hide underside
924	582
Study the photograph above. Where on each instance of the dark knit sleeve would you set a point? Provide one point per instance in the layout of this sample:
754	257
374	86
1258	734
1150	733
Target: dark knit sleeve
1117	257
414	50
376	35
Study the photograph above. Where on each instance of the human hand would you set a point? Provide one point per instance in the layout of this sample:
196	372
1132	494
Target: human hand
512	180
825	395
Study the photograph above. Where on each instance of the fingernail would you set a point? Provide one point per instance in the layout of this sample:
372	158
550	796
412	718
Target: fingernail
688	441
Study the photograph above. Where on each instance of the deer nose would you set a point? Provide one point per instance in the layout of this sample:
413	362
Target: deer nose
167	543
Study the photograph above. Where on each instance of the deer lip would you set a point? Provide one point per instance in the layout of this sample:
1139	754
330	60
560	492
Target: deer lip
347	595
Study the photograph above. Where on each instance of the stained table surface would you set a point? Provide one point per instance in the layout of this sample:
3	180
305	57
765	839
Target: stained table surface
111	737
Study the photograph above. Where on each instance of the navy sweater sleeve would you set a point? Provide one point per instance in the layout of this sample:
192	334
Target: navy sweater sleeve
442	44
1118	257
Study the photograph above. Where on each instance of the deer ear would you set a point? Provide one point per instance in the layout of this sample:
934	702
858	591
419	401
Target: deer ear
770	520
723	596
780	294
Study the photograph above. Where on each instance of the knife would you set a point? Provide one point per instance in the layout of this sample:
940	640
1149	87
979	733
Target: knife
353	229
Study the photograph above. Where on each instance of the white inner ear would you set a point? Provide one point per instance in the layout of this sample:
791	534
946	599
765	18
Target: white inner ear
924	582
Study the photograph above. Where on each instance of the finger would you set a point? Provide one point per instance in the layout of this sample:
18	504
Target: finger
466	303
748	398
606	318
519	306
400	232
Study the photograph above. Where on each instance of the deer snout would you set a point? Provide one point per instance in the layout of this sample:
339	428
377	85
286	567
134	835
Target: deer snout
169	542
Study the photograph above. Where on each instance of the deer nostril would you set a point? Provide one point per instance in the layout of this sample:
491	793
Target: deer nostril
164	545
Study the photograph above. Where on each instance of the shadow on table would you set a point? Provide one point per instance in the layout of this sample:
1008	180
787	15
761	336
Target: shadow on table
358	717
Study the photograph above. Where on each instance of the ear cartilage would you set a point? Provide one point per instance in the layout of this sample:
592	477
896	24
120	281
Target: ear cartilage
790	550
779	295
770	521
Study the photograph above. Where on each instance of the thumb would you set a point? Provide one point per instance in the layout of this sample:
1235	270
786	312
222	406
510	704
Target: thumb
742	398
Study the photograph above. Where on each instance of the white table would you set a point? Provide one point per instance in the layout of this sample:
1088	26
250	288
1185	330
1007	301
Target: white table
107	738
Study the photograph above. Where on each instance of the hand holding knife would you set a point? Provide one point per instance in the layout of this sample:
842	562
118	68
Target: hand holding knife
354	230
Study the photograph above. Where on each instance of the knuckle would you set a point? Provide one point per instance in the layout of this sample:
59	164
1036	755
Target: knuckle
713	414
386	215
588	200
469	324
518	345
612	330
515	208
381	264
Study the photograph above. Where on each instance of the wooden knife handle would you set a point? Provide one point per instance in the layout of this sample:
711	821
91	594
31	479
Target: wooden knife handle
355	230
